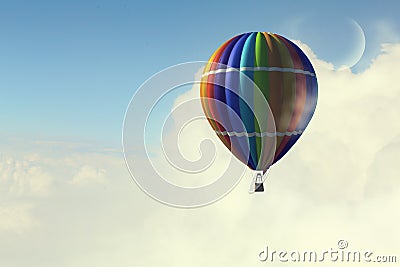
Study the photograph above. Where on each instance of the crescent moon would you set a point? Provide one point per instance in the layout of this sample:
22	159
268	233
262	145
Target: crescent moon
359	45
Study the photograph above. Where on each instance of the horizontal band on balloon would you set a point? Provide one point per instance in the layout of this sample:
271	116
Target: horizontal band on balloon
277	69
259	134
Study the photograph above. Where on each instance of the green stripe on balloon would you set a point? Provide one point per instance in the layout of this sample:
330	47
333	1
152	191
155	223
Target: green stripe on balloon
261	80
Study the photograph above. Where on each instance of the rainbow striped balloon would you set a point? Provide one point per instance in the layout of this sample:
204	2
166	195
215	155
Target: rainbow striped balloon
286	80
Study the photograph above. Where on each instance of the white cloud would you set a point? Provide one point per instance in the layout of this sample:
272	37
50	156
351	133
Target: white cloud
28	180
355	112
332	185
88	175
16	217
24	177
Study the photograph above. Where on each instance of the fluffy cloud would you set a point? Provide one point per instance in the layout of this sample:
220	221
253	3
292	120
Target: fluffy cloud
16	218
28	180
24	177
331	185
88	174
355	119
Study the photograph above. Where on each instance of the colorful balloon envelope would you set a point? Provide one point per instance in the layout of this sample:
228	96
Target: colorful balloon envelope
259	92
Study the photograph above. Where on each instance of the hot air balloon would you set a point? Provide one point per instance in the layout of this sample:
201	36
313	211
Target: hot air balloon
244	72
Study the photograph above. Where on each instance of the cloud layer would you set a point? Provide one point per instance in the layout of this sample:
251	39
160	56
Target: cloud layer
69	205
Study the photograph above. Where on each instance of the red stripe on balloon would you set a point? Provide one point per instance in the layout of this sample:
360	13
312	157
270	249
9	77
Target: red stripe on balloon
301	90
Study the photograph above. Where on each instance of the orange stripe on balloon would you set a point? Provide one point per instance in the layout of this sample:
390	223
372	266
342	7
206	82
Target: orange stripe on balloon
210	93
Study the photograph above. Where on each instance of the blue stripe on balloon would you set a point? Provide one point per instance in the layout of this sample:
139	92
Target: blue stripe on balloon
232	98
246	113
219	88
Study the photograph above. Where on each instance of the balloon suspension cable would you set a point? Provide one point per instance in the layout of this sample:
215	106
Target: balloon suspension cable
257	185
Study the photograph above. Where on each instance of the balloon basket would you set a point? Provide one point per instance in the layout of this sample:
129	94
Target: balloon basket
258	183
259	187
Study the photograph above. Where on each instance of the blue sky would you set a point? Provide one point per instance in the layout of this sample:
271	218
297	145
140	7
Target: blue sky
69	68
